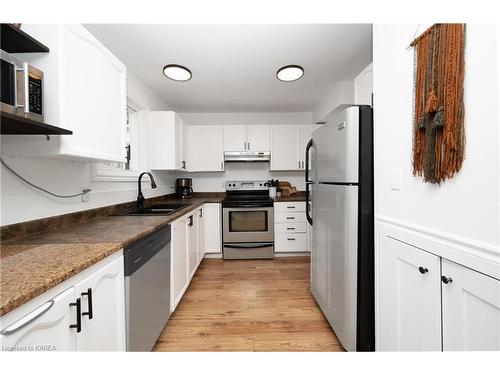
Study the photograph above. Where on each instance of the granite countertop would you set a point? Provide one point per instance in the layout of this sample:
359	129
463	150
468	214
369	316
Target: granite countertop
33	264
297	197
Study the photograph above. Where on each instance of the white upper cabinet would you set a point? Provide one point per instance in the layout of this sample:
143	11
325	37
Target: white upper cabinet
471	309
246	138
285	147
205	148
166	141
84	91
235	138
258	138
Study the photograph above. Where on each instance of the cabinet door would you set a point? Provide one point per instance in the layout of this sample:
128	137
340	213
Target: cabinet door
102	294
180	144
409	315
305	136
192	243
285	147
235	137
50	328
213	233
258	137
471	309
206	153
201	233
178	262
94	84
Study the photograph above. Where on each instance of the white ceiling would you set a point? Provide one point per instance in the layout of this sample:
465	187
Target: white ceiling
234	66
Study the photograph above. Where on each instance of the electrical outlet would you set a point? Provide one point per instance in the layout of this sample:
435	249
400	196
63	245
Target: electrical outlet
86	196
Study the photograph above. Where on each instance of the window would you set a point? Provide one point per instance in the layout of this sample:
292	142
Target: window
129	171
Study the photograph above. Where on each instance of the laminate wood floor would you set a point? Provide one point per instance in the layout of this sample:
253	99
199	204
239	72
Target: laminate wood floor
249	305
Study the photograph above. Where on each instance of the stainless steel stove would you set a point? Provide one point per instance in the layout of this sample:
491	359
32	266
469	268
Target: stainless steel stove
248	221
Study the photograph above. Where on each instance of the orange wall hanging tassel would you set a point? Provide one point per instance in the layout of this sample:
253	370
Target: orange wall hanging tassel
438	118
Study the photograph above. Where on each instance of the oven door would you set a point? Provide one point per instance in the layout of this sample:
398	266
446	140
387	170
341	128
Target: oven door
247	225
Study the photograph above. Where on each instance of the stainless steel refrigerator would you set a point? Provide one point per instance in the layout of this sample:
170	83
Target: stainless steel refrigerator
339	189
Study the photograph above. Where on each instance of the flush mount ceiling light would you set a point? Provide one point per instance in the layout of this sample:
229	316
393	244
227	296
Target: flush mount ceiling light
290	73
177	72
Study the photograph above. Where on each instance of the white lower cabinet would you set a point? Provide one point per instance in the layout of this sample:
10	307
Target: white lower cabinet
201	233
49	329
179	278
102	299
61	322
213	230
290	227
192	243
471	309
410	301
429	303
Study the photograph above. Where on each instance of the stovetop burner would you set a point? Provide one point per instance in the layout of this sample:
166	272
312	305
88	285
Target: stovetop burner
247	194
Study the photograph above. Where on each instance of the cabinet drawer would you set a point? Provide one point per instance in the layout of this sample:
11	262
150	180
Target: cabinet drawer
289	217
289	206
290	227
295	242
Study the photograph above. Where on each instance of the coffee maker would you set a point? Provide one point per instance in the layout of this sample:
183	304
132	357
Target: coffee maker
183	188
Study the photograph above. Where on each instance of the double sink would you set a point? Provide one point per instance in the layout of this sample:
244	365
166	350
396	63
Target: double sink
162	209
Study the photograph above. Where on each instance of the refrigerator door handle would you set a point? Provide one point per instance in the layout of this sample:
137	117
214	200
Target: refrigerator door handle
308	147
308	215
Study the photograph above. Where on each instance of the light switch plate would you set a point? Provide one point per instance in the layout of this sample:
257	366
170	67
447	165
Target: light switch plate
395	178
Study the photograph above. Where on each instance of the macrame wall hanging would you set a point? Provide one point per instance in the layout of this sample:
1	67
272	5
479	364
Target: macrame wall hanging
438	114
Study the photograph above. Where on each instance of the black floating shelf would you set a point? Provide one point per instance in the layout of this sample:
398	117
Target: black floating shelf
15	40
11	124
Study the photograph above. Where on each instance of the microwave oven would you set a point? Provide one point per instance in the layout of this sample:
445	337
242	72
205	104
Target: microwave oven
21	88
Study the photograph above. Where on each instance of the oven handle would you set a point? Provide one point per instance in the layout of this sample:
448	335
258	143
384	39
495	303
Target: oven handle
249	206
249	246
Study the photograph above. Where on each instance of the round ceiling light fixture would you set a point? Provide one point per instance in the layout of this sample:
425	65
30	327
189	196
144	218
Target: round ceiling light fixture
289	73
177	72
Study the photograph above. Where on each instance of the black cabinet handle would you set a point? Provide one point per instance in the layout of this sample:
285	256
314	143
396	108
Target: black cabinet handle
88	293
291	239
78	324
446	279
201	213
290	228
290	206
423	270
290	217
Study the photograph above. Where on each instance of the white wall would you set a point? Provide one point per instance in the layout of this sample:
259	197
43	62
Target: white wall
247	118
467	207
20	202
341	93
214	181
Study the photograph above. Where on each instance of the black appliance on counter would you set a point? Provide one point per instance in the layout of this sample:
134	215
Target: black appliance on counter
183	188
247	221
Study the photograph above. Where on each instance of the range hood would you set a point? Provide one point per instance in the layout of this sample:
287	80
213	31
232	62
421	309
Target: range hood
247	156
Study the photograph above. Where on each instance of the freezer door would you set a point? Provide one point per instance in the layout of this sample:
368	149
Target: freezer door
334	257
335	149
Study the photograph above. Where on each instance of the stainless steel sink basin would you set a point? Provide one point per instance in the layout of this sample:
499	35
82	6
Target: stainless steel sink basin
163	209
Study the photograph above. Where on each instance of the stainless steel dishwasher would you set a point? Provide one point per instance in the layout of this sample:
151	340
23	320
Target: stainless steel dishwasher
147	289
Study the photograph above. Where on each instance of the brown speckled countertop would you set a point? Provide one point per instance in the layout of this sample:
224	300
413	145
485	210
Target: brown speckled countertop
31	265
297	197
